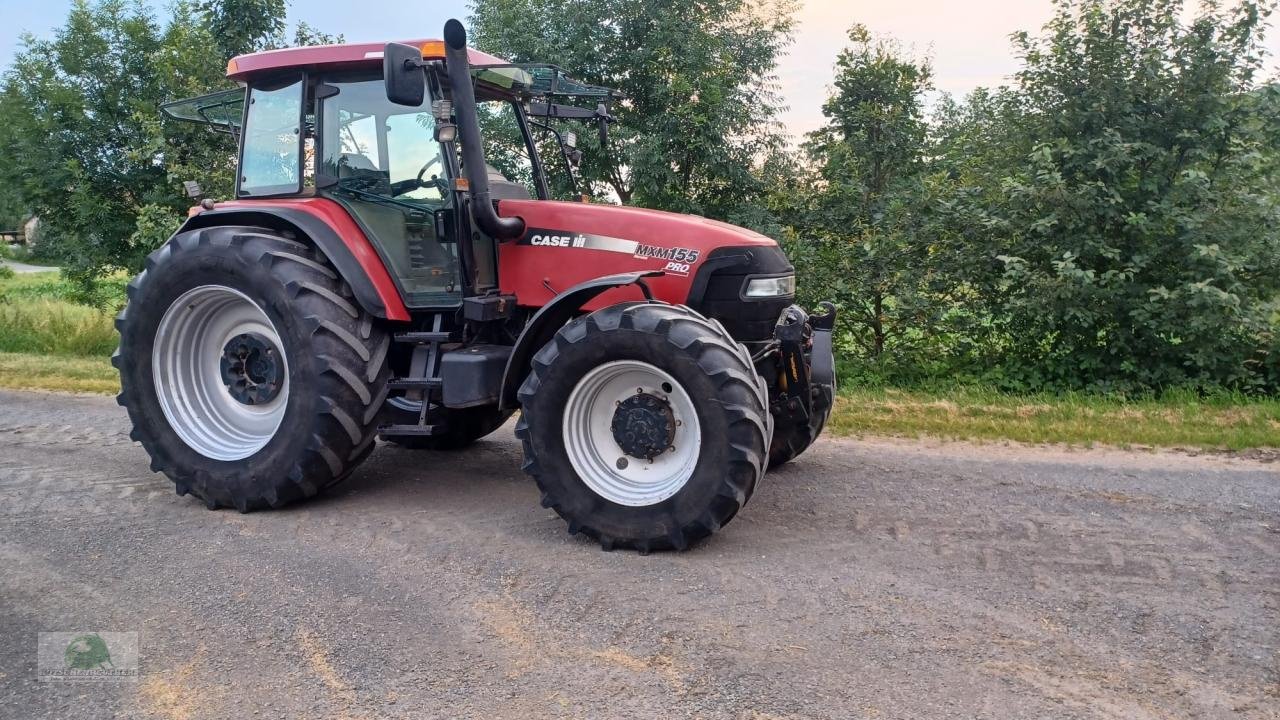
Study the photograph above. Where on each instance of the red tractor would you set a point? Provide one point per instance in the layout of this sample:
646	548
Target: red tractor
374	276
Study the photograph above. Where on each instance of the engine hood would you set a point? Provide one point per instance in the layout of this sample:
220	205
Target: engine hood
568	243
630	223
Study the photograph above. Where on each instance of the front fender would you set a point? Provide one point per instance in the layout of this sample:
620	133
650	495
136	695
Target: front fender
553	316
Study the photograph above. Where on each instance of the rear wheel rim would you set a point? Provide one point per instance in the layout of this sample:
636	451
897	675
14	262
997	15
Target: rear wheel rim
594	452
186	365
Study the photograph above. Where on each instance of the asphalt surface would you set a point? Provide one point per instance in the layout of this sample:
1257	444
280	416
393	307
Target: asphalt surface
25	268
869	579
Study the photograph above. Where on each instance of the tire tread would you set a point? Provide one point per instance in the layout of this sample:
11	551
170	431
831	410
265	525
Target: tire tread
740	392
350	384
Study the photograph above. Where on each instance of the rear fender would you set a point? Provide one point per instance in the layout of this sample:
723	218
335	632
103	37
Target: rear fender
353	257
542	327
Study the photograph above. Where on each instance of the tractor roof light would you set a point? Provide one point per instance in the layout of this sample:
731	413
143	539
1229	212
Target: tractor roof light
770	287
442	111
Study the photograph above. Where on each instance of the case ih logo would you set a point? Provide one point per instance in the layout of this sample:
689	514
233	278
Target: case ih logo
679	259
551	240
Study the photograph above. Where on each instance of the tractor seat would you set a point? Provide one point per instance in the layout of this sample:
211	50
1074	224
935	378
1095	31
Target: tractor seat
500	188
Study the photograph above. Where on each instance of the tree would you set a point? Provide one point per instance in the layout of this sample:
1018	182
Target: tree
13	211
71	128
860	211
701	97
306	34
243	26
1125	191
81	135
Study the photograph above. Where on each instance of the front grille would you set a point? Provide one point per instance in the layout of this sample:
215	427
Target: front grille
717	290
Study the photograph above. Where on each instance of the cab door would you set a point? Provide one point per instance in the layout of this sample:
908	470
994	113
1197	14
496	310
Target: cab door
382	163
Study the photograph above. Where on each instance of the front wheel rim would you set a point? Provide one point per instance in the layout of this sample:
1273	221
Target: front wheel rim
186	365
596	455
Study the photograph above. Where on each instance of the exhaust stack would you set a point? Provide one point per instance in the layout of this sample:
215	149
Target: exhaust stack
464	108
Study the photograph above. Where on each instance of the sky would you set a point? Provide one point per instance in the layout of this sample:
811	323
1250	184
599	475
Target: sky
968	42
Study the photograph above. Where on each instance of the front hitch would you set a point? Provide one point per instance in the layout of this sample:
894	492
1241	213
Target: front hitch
822	353
801	370
805	358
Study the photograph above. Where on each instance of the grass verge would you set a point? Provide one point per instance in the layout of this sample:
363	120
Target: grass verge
29	371
44	313
55	327
1227	422
48	341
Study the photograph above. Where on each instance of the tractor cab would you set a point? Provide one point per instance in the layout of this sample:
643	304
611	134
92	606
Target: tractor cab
328	124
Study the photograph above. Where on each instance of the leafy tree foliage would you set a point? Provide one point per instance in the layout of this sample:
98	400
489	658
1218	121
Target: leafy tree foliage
72	127
857	213
701	96
13	210
1116	209
83	142
242	26
1111	221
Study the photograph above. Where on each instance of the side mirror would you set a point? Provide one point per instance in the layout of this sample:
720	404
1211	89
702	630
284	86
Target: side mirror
402	73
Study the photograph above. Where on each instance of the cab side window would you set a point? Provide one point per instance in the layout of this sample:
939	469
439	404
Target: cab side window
272	159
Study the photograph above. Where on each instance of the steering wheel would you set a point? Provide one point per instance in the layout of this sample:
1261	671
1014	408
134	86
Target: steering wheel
433	161
407	186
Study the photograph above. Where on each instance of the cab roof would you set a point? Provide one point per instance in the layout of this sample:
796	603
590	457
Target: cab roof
330	57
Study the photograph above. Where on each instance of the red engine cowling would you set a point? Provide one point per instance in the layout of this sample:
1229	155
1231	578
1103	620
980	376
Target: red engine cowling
567	243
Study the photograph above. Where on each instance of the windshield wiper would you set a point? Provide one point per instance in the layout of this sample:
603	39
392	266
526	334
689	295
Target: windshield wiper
375	197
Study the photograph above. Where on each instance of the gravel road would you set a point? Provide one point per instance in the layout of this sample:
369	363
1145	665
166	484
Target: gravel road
870	579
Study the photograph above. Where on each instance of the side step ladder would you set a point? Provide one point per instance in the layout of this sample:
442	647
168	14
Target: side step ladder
424	378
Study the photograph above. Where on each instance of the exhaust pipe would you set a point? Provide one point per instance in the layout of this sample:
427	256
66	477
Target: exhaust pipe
464	108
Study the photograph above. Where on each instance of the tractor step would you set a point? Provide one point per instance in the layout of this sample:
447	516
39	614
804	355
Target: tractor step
418	430
422	337
413	383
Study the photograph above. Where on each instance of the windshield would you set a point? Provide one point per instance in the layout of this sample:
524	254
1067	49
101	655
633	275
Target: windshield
375	147
505	149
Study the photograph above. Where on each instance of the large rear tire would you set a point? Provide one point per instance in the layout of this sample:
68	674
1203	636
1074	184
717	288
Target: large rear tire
644	425
251	376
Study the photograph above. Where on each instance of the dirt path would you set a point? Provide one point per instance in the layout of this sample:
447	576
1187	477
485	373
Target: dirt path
878	579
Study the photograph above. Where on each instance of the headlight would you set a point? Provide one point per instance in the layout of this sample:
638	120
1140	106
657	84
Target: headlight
768	287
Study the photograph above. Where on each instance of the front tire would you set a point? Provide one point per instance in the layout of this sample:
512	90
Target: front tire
792	440
644	425
250	375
